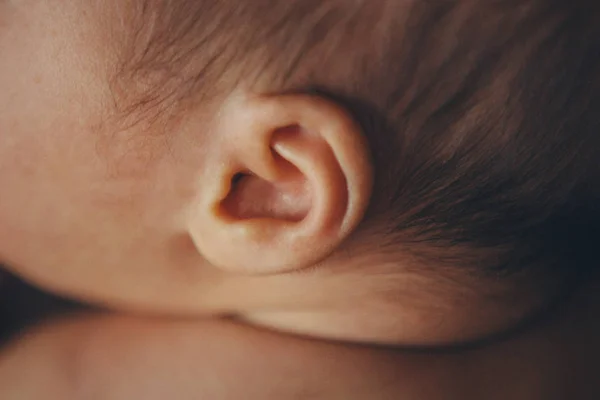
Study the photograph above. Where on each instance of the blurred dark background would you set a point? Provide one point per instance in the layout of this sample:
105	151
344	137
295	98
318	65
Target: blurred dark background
22	305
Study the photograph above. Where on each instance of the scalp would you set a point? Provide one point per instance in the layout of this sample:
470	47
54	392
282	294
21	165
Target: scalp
481	116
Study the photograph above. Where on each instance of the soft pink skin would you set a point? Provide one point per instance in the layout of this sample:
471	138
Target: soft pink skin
103	216
121	358
110	215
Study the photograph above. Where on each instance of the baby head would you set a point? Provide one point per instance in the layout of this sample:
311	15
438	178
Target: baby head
407	172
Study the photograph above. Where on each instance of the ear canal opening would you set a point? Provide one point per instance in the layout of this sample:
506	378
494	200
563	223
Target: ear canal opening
237	178
251	197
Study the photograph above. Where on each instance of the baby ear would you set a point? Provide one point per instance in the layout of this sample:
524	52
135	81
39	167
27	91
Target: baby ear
289	178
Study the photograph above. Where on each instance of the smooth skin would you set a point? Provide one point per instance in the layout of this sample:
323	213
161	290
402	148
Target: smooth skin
248	204
112	357
128	218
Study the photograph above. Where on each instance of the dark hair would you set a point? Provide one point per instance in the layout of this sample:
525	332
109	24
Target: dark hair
483	116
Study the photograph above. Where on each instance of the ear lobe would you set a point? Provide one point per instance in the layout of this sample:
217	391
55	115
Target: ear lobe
292	180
